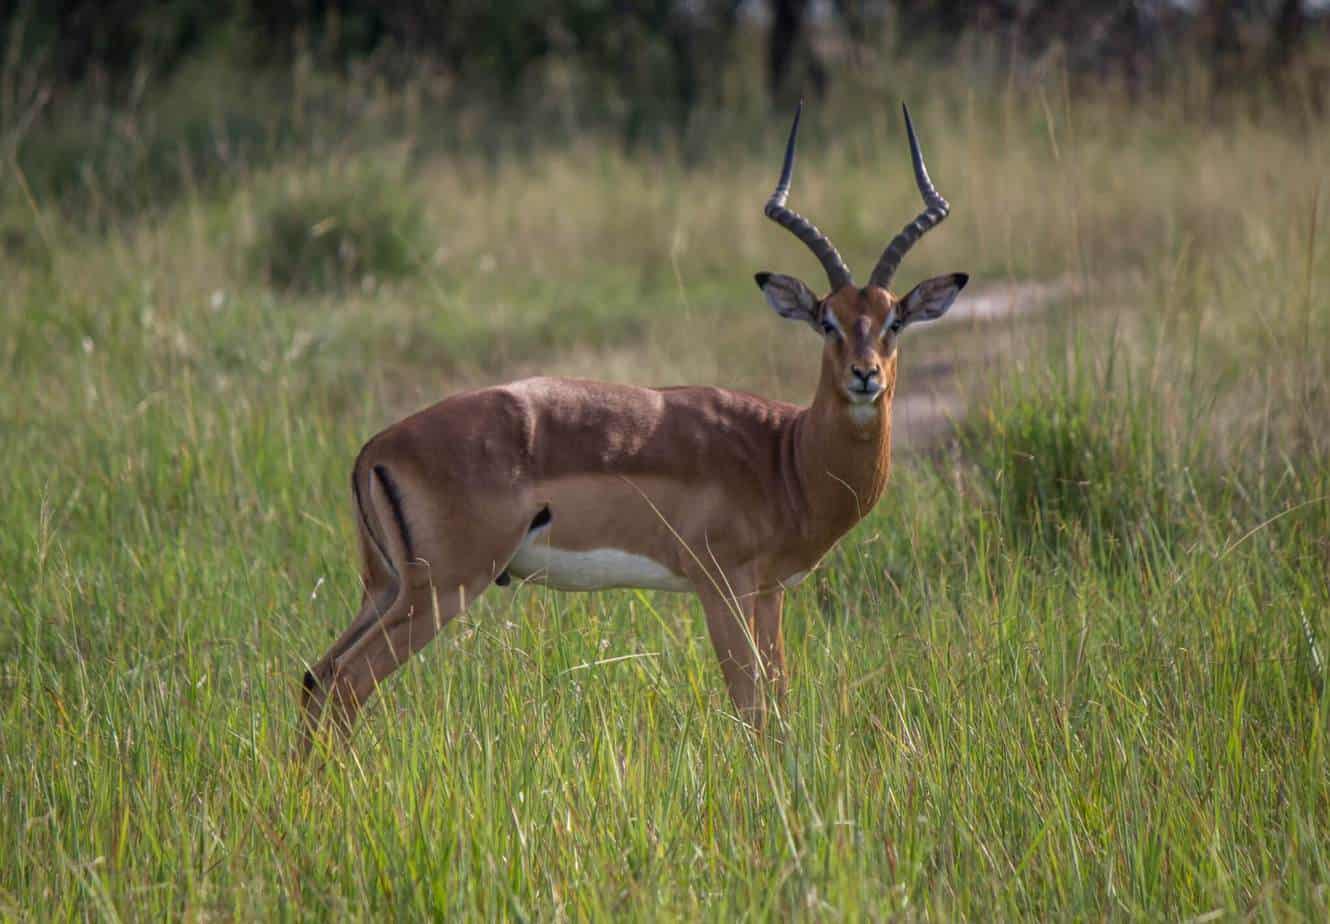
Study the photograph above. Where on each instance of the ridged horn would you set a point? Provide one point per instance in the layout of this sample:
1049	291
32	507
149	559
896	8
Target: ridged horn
838	274
935	210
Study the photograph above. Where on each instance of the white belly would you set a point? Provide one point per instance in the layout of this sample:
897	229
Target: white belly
591	569
794	580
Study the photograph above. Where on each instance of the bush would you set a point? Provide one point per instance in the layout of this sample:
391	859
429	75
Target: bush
1073	462
341	230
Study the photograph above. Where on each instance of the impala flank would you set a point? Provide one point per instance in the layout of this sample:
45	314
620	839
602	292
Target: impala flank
583	485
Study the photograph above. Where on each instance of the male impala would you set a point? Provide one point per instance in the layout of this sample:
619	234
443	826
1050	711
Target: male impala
583	485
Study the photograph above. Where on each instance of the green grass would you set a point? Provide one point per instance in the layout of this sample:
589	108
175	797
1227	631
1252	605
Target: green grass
1070	668
338	230
1072	460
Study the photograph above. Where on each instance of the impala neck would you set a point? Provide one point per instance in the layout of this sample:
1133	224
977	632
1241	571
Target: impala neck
844	452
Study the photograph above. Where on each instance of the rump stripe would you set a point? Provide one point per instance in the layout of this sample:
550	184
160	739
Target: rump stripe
395	501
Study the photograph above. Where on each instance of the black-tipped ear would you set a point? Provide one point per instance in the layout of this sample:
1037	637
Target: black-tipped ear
930	300
789	297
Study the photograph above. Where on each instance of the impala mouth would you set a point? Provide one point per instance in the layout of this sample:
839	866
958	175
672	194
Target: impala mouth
864	392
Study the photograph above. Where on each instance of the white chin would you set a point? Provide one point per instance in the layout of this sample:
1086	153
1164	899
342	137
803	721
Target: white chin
864	413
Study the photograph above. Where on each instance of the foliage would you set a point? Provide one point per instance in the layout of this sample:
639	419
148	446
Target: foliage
349	228
1077	458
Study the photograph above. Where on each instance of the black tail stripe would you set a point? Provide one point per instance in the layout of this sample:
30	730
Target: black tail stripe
395	499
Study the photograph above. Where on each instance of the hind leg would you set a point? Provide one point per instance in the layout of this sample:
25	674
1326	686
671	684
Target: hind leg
380	590
439	579
374	605
425	604
430	552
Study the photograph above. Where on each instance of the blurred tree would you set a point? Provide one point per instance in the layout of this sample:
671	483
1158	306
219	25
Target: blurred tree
1219	29
1290	24
790	54
947	17
105	42
657	56
655	59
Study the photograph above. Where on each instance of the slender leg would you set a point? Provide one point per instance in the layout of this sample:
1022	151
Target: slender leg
374	605
771	641
424	561
422	608
380	590
730	623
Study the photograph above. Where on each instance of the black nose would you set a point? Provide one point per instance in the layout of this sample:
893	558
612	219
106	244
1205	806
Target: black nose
865	374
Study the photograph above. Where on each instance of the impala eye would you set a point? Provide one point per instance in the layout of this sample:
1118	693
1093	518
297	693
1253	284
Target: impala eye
830	329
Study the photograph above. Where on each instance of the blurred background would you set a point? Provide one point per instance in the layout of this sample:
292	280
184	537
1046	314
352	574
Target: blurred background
227	84
637	68
482	189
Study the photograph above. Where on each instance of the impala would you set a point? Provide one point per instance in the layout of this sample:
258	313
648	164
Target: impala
582	485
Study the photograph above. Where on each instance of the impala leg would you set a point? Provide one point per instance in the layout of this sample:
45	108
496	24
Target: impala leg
730	624
380	590
771	641
422	608
374	604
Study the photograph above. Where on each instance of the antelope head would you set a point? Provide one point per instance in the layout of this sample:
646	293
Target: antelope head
859	326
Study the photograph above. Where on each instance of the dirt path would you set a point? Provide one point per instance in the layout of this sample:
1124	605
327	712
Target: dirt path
983	330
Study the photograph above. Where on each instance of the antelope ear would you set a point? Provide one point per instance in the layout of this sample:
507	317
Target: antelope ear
789	297
930	300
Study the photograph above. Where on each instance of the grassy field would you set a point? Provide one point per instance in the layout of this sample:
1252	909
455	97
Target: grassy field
1072	667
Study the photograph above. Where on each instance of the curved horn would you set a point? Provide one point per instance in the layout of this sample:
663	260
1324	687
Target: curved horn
838	274
935	209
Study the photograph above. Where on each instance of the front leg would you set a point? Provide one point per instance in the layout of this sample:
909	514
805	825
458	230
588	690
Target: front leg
771	641
730	621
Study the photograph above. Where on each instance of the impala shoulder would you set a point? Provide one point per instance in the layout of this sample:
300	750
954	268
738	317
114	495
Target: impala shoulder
553	391
532	392
528	399
536	386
